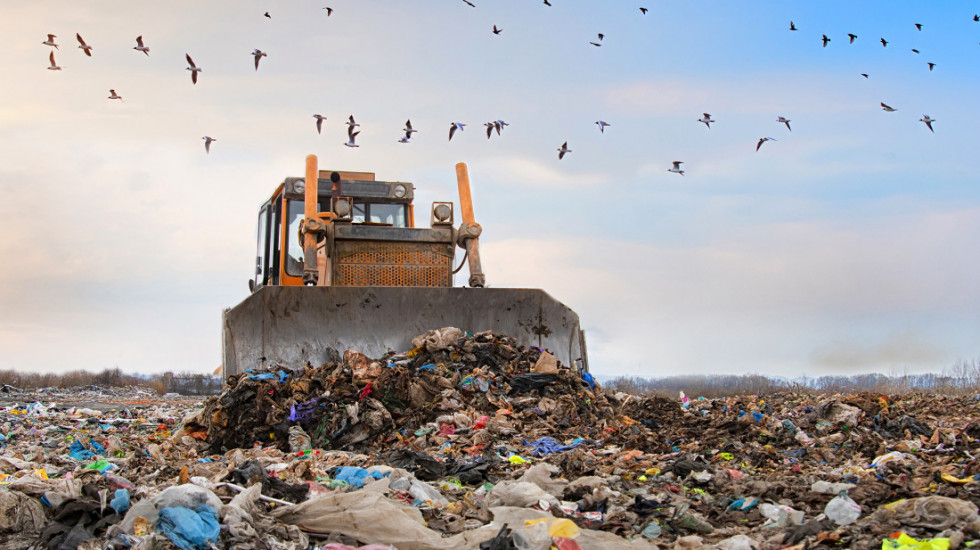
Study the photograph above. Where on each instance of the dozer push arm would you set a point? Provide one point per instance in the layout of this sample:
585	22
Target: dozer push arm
469	230
312	226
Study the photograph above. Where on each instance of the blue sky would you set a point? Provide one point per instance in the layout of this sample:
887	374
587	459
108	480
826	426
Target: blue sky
847	245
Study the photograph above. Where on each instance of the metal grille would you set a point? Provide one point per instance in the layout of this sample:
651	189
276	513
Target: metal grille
376	263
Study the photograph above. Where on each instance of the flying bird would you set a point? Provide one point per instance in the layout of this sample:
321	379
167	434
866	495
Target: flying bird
403	139
140	47
852	37
602	125
408	130
928	121
884	43
931	65
207	144
915	50
258	54
267	15
350	142
496	30
676	168
888	109
784	121
865	75
194	69
499	125
50	41
976	17
601	36
596	44
706	119
547	3
825	40
453	127
763	140
644	11
83	46
350	125
564	149
319	122
490	126
918	26
792	27
470	4
54	66
329	11
113	95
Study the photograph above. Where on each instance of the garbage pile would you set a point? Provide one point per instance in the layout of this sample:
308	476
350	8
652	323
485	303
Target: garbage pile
473	442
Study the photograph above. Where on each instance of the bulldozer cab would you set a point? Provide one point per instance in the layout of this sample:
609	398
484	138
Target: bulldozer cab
369	236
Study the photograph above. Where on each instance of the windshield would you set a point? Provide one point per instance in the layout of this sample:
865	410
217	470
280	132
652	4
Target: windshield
294	251
392	214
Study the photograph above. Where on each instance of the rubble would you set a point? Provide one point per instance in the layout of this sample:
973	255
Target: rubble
472	441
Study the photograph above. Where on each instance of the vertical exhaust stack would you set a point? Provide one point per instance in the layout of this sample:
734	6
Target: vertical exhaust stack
469	230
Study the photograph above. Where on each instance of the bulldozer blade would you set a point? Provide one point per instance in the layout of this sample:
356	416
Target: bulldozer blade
288	326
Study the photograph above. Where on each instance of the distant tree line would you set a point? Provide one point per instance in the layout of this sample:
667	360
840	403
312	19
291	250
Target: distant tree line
962	377
184	383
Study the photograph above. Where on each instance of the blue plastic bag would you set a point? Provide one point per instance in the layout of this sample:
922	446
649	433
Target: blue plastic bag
189	529
354	476
120	503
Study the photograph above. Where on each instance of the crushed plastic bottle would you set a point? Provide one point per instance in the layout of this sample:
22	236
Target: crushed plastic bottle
842	509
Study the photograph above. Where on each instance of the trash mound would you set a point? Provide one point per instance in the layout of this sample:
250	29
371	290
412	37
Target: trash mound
477	387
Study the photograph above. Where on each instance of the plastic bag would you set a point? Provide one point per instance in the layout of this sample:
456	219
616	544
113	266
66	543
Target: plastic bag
780	515
190	529
540	475
905	542
842	509
518	493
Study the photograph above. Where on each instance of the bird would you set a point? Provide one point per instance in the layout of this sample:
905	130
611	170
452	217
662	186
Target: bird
50	41
207	143
865	75
547	3
319	122
888	109
784	121
792	27
403	139
140	47
54	66
976	17
490	126
329	11
676	168
931	65
499	124
825	40
928	121
602	125
852	37
915	50
918	26
453	127
601	36
350	142
408	129
706	119
884	43
564	149
644	11
194	69
351	124
596	44
113	95
267	15
496	30
258	54
471	4
83	46
763	140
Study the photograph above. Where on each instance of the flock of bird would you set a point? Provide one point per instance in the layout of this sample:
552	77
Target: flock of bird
455	127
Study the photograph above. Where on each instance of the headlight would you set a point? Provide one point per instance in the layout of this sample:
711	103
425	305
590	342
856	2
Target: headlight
442	212
400	191
299	186
342	208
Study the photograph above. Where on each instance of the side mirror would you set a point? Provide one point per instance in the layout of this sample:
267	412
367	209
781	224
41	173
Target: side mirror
251	285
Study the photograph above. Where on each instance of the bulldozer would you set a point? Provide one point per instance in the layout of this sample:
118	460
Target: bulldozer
341	266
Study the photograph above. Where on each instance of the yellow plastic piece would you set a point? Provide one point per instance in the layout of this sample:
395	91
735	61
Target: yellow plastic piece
563	528
641	478
517	459
905	542
652	471
953	479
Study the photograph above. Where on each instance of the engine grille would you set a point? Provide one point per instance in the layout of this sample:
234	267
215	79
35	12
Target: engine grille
393	263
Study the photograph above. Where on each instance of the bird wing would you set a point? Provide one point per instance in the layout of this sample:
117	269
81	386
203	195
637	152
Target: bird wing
319	125
80	40
194	77
351	118
51	57
452	130
139	41
258	56
190	61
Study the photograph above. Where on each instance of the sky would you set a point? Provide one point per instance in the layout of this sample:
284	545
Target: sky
847	245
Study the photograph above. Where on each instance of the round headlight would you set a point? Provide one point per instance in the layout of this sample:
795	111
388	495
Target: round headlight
342	208
400	191
442	212
299	186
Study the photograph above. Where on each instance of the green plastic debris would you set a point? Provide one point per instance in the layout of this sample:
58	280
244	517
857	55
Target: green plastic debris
100	465
905	542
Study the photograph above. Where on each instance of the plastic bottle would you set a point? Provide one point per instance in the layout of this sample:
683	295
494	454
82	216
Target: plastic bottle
842	509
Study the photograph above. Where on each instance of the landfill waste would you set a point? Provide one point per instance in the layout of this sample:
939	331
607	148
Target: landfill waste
471	441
